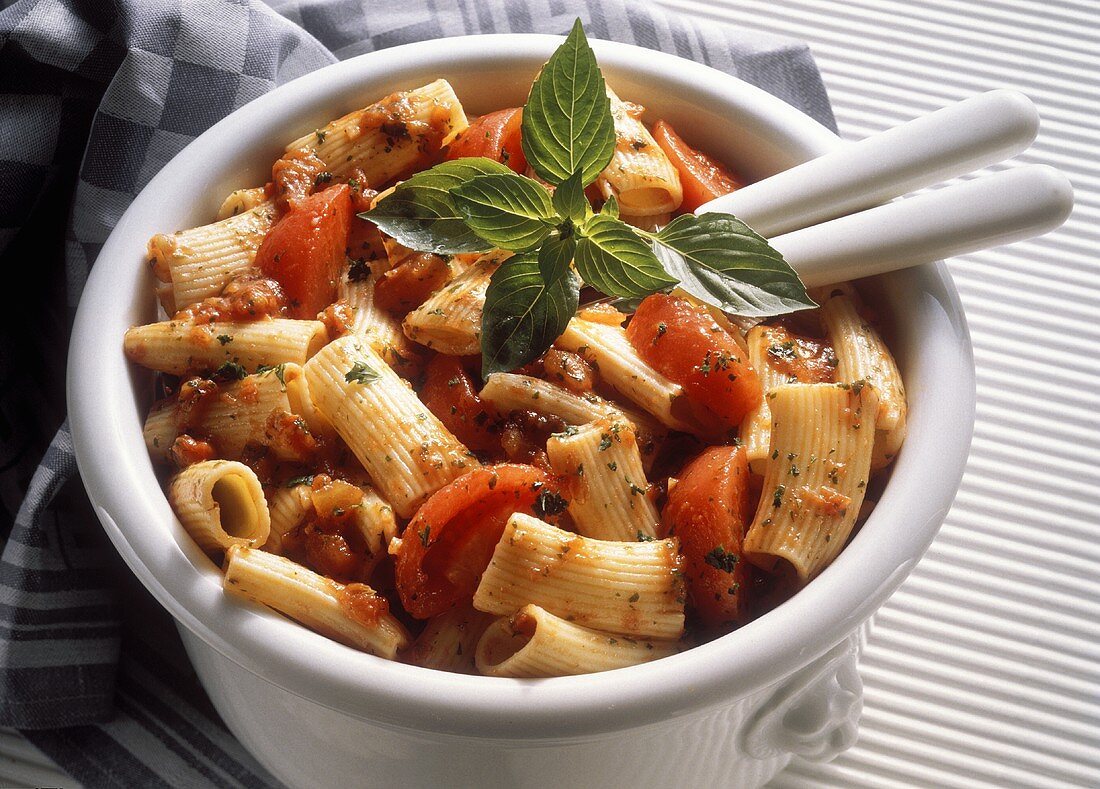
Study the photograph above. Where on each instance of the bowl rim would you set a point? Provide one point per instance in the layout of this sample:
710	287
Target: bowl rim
403	696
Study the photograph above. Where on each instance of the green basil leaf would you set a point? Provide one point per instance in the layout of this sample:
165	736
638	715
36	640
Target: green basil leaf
507	210
555	255
523	314
567	125
611	207
421	214
612	258
569	200
721	260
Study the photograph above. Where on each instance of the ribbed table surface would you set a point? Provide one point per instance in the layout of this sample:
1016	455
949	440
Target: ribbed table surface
984	668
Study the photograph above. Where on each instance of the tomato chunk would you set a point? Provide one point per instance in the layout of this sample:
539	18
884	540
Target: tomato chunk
409	284
495	136
701	177
449	393
304	252
683	342
450	541
708	510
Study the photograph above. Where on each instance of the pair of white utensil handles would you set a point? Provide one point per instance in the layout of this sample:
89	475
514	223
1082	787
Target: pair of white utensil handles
832	218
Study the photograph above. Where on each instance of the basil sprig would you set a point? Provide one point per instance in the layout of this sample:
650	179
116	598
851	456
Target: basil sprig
568	137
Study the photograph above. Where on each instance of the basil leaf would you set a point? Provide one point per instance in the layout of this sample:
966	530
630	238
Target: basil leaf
421	215
523	314
569	200
555	256
611	207
567	126
721	260
509	211
613	259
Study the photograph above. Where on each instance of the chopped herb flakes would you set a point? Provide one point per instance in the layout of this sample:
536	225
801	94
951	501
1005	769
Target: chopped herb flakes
548	503
361	373
722	560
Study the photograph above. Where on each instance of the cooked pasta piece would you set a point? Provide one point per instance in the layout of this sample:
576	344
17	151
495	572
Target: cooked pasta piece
514	392
608	491
449	640
380	329
352	614
241	200
863	356
288	509
756	427
450	320
253	410
390	137
631	588
816	475
639	175
535	643
199	263
182	347
607	348
220	503
407	451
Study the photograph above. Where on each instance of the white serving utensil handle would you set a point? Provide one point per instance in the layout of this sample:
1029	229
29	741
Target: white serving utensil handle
950	142
985	212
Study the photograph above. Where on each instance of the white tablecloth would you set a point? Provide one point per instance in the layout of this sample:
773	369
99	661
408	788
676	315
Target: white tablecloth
984	669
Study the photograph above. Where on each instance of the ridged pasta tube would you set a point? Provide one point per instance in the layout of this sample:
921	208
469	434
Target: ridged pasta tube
407	451
220	503
237	415
862	355
449	640
756	427
535	643
182	347
351	614
450	320
608	490
378	327
640	175
631	588
514	392
200	262
607	348
391	136
816	475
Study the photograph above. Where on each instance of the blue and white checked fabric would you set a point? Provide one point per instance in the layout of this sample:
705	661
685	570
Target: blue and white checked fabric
95	96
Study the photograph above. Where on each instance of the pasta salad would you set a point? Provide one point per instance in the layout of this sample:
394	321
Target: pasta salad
486	395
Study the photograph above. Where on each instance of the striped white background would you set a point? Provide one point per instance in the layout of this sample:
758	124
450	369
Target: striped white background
984	669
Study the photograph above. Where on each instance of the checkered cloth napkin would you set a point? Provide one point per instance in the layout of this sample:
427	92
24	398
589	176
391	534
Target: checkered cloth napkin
95	96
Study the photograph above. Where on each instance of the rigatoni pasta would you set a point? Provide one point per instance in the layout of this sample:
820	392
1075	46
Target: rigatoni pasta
403	446
336	418
816	475
352	614
221	504
535	643
630	588
182	347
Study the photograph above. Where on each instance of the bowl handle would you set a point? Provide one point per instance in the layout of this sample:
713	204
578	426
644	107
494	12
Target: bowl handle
814	713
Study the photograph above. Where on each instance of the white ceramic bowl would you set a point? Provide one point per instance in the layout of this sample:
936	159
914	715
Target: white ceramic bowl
730	712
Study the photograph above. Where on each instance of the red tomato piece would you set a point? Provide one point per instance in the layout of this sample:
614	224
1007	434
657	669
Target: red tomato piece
709	509
495	136
449	393
701	177
304	252
683	342
450	541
